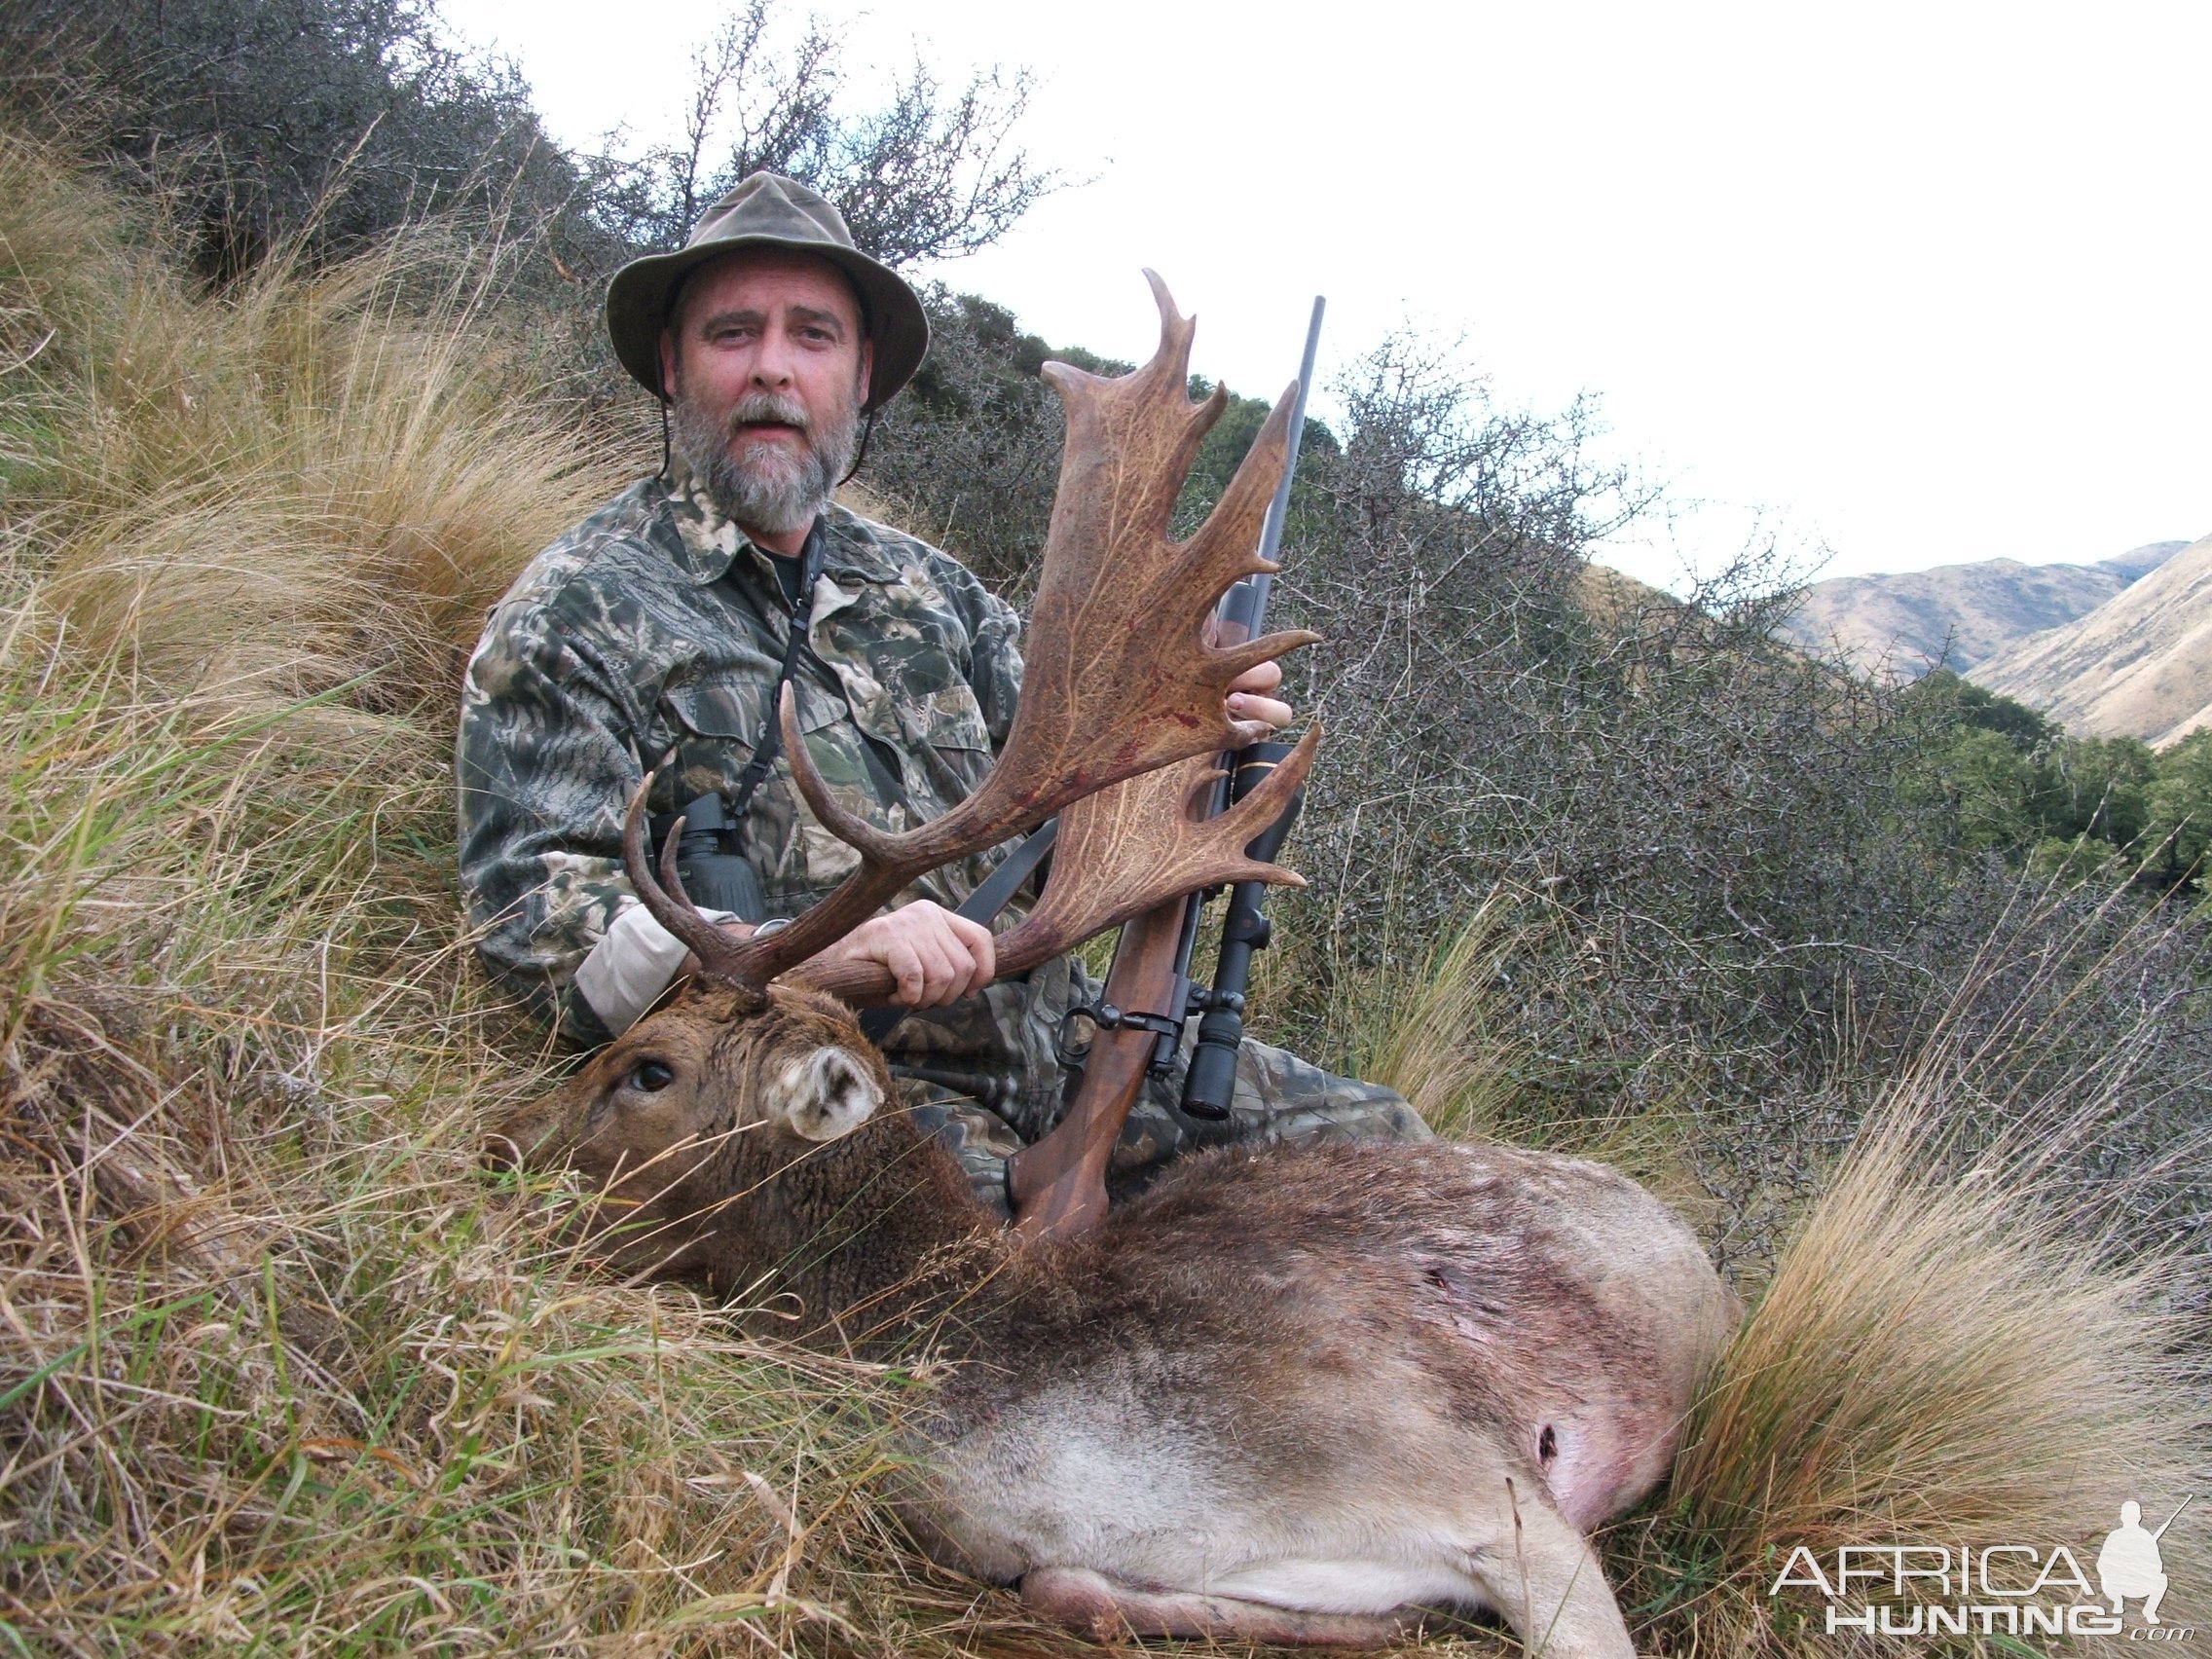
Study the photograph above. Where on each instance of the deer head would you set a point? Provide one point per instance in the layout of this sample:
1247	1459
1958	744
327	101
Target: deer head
1122	708
694	1107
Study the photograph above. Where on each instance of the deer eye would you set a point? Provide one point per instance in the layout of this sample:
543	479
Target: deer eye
650	1077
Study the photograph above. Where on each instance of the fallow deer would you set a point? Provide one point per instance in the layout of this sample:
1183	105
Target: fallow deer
1285	1395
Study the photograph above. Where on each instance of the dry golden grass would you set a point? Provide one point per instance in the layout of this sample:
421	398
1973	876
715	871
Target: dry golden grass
319	476
278	1363
1439	1036
1967	1338
1938	1359
280	1367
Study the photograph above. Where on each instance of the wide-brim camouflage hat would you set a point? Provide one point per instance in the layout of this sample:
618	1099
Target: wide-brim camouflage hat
767	210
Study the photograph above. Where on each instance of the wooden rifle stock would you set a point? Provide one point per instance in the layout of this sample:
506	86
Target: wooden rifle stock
1057	1185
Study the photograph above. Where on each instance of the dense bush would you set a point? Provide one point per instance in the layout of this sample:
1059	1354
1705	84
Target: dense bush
264	121
2082	806
970	453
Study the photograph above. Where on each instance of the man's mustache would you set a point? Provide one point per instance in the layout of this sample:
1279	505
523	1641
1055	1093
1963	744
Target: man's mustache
761	408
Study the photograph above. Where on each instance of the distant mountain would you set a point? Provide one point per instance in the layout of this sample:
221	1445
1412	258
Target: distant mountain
1900	626
2134	566
2140	665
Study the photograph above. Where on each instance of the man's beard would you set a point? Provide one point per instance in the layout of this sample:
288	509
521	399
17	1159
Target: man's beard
771	490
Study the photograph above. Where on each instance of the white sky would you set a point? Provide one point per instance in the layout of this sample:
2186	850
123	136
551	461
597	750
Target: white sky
1912	283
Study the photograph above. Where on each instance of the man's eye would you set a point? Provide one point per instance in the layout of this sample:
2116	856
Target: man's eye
650	1077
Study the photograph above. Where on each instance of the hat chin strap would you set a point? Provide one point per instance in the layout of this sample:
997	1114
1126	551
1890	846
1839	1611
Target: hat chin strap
860	456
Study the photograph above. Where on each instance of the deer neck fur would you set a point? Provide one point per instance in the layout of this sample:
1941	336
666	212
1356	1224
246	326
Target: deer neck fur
868	1243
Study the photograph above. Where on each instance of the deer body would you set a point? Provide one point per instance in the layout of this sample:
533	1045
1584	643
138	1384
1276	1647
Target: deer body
1341	1380
1285	1395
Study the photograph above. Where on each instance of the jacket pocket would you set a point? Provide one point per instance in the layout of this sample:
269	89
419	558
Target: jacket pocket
735	708
716	721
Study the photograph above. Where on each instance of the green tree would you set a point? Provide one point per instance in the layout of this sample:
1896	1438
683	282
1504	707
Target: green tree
1992	711
2180	807
1988	784
1971	705
2093	786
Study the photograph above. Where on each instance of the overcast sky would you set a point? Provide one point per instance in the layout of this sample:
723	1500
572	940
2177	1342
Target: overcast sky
1913	284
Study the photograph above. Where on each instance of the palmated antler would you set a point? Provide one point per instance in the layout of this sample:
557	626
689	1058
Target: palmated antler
1139	842
1119	680
1121	851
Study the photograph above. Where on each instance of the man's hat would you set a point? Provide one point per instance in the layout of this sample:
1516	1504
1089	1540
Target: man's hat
768	211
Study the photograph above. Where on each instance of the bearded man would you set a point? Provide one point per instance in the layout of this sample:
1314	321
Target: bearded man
655	637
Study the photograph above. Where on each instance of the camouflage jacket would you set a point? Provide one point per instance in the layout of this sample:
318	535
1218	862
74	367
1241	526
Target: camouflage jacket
653	633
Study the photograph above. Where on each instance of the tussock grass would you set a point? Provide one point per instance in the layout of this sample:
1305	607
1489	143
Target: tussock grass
1439	1035
317	476
281	1370
279	1366
1980	1332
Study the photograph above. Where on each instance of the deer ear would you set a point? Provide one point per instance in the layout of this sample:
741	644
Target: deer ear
822	1095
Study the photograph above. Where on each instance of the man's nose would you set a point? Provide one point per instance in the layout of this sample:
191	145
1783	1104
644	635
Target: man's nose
772	363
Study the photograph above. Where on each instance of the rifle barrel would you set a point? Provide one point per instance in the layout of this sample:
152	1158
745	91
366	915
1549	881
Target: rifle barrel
2175	1516
1245	604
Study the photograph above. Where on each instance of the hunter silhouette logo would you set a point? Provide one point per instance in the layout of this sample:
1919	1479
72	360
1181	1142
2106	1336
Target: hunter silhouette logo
2128	1563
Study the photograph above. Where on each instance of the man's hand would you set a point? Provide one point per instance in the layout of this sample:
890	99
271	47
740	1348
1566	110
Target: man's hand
1251	696
936	956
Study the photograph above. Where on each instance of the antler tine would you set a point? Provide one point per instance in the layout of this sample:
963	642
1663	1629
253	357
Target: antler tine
719	956
1146	841
1108	691
1133	845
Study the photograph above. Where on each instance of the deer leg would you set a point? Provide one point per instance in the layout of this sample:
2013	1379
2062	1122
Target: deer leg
1109	1611
1543	1576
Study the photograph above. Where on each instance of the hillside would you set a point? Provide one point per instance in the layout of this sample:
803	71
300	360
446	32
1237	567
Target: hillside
1609	595
1902	626
287	1369
2140	665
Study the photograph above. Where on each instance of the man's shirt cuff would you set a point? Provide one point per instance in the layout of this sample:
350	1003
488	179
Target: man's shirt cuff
632	964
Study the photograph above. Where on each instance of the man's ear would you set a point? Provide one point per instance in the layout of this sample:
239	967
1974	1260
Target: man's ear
668	365
867	369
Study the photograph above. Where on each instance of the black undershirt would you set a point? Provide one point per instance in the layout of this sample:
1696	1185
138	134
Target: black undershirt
791	574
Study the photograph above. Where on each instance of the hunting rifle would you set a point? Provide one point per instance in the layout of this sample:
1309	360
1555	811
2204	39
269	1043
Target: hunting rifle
1058	1187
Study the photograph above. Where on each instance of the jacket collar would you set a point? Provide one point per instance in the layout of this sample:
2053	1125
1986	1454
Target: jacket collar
707	543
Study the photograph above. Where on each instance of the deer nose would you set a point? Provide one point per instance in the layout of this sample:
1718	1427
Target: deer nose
511	1140
498	1154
